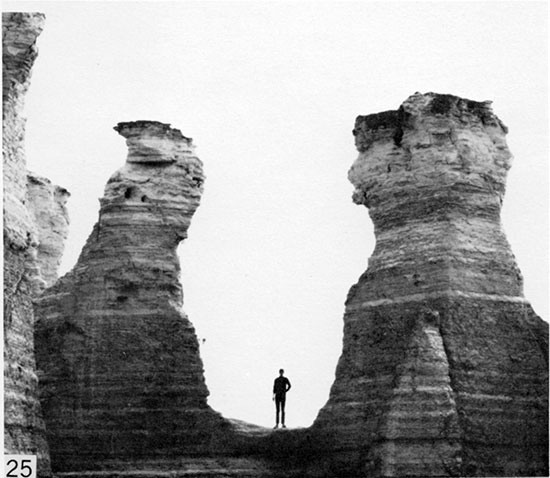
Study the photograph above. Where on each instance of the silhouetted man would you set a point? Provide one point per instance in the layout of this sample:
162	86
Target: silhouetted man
281	385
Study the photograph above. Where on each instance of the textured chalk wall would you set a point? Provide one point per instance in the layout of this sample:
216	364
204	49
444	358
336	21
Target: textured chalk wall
444	363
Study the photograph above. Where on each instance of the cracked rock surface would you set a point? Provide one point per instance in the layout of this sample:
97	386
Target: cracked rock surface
444	364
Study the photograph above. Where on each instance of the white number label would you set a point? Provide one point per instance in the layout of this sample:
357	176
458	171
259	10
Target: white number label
19	466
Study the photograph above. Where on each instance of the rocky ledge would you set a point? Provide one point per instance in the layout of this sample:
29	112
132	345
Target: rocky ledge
121	379
444	368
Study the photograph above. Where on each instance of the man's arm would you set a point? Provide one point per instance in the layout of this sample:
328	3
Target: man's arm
288	385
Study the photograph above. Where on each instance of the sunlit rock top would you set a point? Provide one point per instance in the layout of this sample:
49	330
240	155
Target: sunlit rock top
153	142
432	141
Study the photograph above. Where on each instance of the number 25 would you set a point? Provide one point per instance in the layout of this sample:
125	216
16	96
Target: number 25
23	467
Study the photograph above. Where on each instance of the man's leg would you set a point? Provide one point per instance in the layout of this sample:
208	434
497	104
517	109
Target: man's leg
277	408
283	400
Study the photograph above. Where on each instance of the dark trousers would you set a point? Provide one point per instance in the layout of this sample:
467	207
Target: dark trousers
280	400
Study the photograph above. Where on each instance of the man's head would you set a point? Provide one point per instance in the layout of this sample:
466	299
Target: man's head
281	372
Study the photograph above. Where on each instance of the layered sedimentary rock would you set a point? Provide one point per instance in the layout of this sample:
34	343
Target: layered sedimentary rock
24	427
121	375
47	205
444	363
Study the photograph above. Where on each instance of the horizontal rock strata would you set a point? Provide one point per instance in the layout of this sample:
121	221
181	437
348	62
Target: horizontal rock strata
121	375
23	425
444	363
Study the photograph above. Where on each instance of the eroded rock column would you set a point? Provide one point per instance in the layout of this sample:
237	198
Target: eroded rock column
47	204
122	378
24	427
444	364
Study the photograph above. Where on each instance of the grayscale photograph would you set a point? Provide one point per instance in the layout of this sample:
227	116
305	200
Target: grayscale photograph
275	238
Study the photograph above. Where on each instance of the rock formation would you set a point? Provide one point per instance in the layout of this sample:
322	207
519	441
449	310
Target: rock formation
444	368
444	363
24	427
46	202
122	378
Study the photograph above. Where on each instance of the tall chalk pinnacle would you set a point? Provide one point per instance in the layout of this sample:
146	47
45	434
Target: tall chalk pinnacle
444	366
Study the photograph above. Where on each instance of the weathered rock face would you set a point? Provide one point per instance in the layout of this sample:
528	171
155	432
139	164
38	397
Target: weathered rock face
122	378
24	427
46	203
444	364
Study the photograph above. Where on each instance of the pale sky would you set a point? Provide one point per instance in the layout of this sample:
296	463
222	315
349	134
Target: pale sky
270	91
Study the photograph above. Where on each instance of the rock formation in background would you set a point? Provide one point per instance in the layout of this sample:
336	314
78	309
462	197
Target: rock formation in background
444	364
46	203
122	378
24	427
